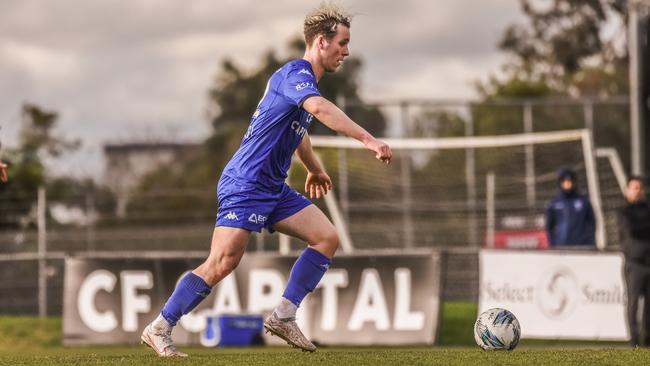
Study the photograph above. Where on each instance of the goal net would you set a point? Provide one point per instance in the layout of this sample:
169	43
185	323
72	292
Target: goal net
437	191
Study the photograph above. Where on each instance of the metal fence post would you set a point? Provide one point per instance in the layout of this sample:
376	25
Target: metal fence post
531	196
42	253
490	208
405	171
470	179
343	186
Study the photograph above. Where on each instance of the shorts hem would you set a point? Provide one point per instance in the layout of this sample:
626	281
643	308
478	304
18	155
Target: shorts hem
289	214
240	226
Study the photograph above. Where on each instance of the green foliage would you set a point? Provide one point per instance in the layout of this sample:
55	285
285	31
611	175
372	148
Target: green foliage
36	135
26	170
516	86
182	189
559	52
75	192
563	46
563	52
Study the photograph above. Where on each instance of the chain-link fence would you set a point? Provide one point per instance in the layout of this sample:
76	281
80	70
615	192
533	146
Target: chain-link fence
182	220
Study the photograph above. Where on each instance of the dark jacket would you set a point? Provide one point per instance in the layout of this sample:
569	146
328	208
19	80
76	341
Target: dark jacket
634	232
569	217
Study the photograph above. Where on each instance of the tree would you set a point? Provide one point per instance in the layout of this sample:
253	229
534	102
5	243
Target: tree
564	51
563	46
26	170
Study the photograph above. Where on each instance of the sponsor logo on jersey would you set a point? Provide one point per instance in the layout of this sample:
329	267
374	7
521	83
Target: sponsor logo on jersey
305	71
232	216
257	218
298	129
303	85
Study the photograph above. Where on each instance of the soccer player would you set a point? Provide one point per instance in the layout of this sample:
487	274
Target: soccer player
252	192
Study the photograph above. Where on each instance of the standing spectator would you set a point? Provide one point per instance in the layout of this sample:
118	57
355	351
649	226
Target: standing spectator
634	229
569	217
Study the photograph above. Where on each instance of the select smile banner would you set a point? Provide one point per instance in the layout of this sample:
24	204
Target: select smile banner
556	294
361	300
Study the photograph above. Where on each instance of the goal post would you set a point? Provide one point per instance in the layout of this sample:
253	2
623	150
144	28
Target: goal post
422	196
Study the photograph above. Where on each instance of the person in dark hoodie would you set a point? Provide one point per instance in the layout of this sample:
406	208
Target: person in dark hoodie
634	233
569	217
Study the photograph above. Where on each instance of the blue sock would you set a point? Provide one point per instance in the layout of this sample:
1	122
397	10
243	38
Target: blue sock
189	292
305	275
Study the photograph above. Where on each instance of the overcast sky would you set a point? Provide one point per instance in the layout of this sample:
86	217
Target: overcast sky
133	70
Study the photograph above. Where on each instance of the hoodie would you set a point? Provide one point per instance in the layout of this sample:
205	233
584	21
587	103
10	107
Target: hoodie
569	216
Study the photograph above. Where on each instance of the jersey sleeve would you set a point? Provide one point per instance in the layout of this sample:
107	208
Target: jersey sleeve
299	85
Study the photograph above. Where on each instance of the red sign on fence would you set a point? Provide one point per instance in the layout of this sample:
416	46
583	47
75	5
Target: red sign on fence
520	239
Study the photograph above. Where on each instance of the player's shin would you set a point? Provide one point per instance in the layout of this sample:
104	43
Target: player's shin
305	275
189	292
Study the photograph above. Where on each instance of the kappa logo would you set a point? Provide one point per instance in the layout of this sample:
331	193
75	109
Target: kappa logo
305	71
257	219
232	216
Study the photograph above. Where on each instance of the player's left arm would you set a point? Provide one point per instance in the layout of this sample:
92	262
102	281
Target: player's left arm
317	182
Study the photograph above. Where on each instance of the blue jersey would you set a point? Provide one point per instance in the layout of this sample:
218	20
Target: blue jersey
277	127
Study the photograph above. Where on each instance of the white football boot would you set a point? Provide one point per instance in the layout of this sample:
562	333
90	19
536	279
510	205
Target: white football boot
288	330
160	340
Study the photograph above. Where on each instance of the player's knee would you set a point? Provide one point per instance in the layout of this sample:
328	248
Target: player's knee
229	263
331	240
225	264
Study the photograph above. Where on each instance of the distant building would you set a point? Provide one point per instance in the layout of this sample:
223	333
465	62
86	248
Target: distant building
127	164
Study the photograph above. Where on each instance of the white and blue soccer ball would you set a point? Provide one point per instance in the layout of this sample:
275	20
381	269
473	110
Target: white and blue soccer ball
497	330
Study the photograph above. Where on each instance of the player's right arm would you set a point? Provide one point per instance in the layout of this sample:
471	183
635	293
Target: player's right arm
337	120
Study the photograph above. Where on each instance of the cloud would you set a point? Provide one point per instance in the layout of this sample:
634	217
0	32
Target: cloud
124	69
42	64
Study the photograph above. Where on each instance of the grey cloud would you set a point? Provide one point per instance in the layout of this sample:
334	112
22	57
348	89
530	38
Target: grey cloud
143	65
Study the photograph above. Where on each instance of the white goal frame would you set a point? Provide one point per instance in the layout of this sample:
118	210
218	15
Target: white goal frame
582	136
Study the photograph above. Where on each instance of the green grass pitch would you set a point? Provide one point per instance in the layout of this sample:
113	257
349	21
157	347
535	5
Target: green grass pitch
30	341
327	356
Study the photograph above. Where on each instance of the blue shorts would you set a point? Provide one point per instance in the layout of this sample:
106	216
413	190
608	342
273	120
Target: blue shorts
248	206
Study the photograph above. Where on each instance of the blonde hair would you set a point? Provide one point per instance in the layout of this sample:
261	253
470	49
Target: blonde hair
324	20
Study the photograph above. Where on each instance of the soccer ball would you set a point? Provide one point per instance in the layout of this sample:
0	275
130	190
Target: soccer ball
497	330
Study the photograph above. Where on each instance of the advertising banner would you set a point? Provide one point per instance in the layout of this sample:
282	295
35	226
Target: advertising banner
556	294
361	300
521	239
